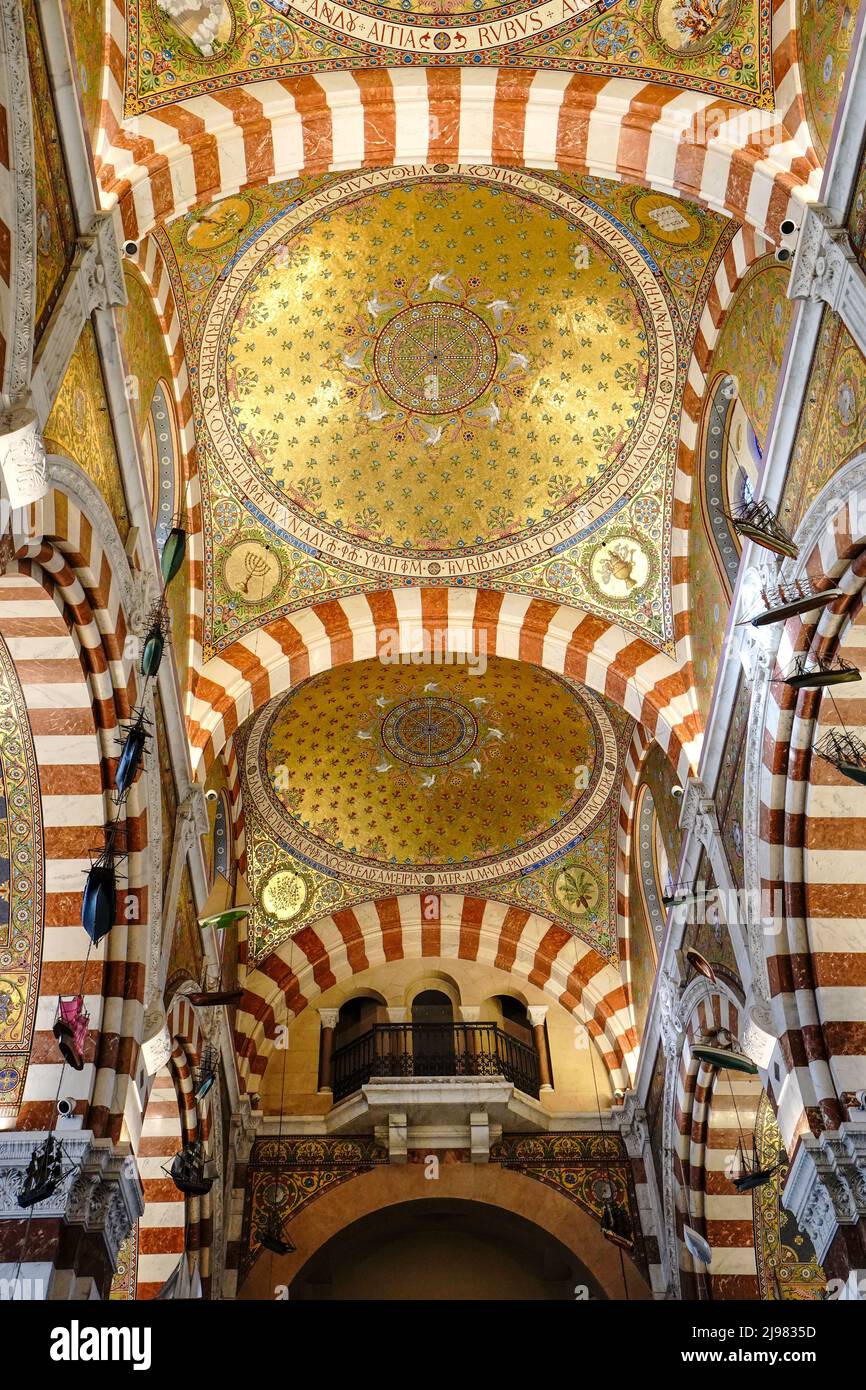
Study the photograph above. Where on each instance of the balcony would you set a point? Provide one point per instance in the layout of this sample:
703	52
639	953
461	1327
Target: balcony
415	1051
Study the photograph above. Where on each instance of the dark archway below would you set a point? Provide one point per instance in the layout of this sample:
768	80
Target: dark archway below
441	1249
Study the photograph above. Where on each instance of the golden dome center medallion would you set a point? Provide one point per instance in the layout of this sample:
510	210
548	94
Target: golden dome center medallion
435	358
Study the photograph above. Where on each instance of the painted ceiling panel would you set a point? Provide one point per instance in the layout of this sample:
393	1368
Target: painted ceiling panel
183	48
441	377
498	779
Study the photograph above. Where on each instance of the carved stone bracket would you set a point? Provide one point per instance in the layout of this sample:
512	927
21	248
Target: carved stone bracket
826	1187
671	1024
825	269
632	1121
101	1192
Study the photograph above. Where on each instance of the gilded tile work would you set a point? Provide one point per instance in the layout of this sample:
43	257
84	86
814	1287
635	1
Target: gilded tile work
722	47
79	426
55	220
752	341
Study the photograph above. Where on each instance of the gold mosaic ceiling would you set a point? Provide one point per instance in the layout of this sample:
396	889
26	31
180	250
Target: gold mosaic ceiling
374	777
183	48
440	376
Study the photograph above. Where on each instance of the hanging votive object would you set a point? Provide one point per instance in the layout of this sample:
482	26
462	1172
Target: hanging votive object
70	1030
44	1173
173	553
151	653
134	743
98	905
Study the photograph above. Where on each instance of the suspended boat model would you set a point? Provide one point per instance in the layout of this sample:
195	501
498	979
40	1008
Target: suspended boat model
723	1054
846	752
70	1029
616	1227
270	1234
227	903
45	1173
99	903
191	1171
182	1283
206	1073
825	671
751	1174
784	601
697	1247
700	965
757	522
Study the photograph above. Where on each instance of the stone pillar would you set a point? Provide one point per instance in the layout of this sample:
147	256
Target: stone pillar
537	1013
329	1019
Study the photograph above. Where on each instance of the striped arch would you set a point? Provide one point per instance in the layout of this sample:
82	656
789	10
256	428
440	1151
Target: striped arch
172	1223
82	677
749	163
151	267
368	934
626	832
645	682
745	249
703	1199
798	833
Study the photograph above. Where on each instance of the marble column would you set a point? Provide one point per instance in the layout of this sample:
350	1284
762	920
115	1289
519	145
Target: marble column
537	1013
329	1019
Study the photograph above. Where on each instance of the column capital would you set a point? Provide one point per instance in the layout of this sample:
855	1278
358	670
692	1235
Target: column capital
826	1185
825	269
536	1013
698	812
329	1017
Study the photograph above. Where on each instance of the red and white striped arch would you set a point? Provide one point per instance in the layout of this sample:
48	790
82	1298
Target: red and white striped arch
706	1200
643	681
171	1223
637	752
80	685
369	934
759	166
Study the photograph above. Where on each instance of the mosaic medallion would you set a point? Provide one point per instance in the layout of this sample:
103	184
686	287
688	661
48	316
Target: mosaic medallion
429	732
435	358
284	895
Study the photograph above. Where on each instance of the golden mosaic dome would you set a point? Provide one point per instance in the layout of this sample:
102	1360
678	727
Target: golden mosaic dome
436	367
372	766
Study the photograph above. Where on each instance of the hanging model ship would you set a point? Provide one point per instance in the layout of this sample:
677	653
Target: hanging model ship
227	904
757	522
719	1050
191	1171
787	599
822	671
751	1174
270	1233
45	1173
846	752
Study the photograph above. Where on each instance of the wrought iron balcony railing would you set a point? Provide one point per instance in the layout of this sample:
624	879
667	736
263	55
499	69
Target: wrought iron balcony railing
409	1050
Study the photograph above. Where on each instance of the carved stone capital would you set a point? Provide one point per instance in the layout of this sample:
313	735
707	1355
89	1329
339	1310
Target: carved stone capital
698	812
192	814
671	1024
825	269
632	1121
23	460
536	1013
100	1192
329	1017
826	1186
